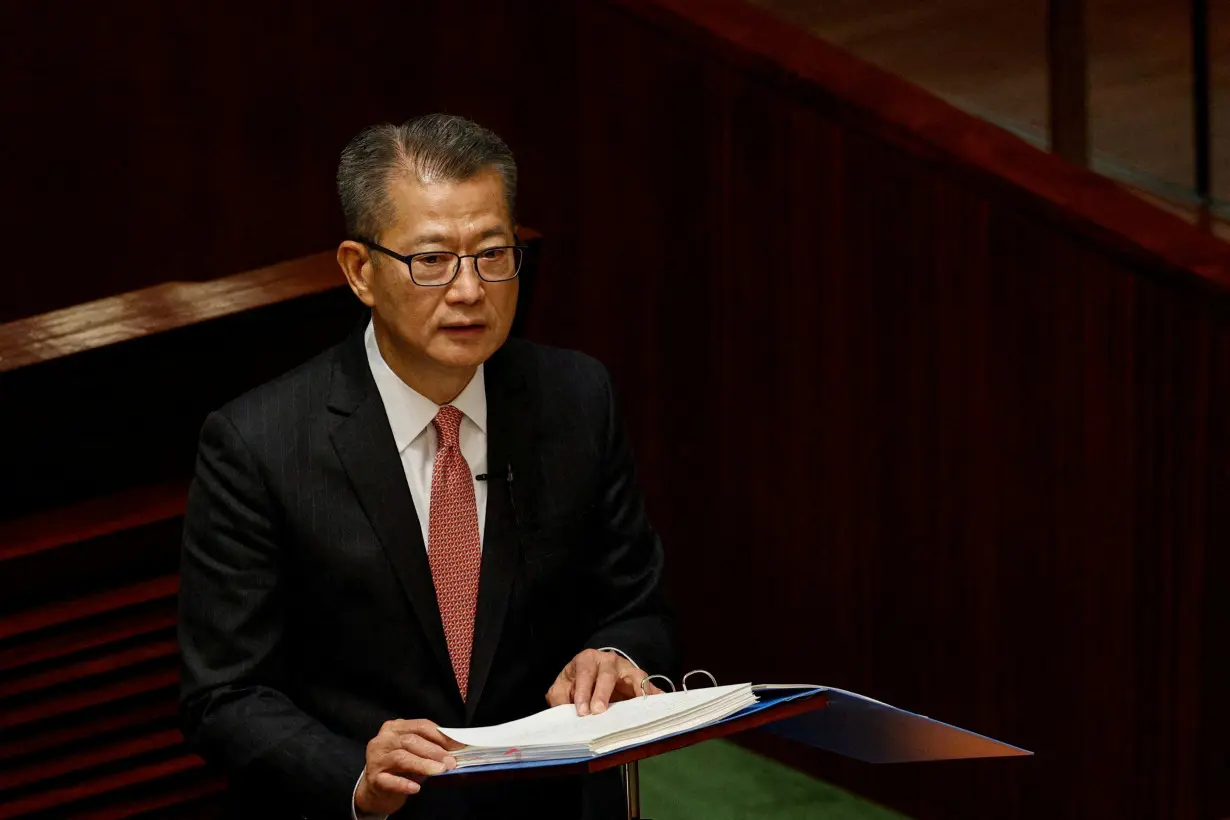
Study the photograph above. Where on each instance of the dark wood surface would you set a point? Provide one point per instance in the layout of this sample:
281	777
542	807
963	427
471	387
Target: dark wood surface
948	410
726	729
1067	60
991	57
948	414
215	129
161	308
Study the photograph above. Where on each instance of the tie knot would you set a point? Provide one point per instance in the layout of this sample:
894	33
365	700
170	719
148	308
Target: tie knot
448	423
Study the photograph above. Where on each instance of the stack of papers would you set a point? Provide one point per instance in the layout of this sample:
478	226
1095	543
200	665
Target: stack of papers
559	733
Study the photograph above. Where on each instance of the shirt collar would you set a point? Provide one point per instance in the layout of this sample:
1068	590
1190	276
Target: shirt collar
408	410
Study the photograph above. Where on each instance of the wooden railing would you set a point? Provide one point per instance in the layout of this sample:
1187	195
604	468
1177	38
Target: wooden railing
108	395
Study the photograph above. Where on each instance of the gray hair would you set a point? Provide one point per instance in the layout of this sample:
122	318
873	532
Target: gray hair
432	147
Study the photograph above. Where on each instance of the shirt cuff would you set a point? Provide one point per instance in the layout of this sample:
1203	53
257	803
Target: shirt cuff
355	814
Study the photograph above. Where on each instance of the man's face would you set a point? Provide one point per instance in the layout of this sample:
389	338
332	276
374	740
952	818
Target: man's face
461	324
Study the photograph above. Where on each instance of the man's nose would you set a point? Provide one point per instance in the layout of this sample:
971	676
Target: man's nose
467	288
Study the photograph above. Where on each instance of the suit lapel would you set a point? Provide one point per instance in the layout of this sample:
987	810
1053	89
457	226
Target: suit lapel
364	444
512	466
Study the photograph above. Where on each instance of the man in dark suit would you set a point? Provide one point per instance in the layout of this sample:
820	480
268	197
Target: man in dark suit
427	525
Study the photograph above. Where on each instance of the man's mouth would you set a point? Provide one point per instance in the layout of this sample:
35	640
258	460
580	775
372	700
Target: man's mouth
464	329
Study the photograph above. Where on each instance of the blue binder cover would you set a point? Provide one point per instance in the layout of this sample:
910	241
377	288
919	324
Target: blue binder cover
874	732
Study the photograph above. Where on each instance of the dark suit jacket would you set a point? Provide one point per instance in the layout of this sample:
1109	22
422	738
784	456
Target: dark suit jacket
307	611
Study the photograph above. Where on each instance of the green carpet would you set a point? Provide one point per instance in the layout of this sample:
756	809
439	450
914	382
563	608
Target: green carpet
721	781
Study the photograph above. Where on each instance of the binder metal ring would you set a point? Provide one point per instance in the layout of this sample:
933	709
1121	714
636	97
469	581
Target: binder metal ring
697	672
648	678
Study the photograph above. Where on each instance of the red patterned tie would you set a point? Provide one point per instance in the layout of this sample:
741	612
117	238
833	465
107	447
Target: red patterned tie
453	547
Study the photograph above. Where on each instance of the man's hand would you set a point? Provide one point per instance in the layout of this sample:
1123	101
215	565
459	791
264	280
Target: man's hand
593	679
403	755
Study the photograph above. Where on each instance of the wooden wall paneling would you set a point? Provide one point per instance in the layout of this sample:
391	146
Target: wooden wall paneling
919	410
118	719
88	698
96	791
168	142
1214	709
998	550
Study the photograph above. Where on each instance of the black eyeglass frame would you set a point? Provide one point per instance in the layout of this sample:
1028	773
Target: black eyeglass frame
409	258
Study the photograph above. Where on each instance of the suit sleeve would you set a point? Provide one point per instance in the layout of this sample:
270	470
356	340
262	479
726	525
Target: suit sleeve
630	606
232	636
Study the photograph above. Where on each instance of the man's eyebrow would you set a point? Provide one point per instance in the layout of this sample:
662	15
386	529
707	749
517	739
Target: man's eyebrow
490	233
441	239
429	239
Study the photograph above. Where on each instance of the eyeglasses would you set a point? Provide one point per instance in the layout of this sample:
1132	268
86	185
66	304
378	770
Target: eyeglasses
435	269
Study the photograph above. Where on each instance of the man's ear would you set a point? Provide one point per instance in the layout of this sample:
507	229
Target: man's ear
358	266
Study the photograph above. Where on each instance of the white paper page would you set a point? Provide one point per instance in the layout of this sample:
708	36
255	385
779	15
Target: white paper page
515	732
632	715
562	726
696	716
661	728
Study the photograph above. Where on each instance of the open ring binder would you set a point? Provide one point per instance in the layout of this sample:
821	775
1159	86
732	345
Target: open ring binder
631	730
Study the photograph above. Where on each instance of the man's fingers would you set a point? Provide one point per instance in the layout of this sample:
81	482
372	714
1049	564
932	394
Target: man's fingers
560	692
604	684
433	734
586	667
406	763
629	684
394	734
404	727
593	678
402	755
422	747
385	781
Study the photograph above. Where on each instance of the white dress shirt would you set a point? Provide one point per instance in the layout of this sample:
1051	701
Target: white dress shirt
410	415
